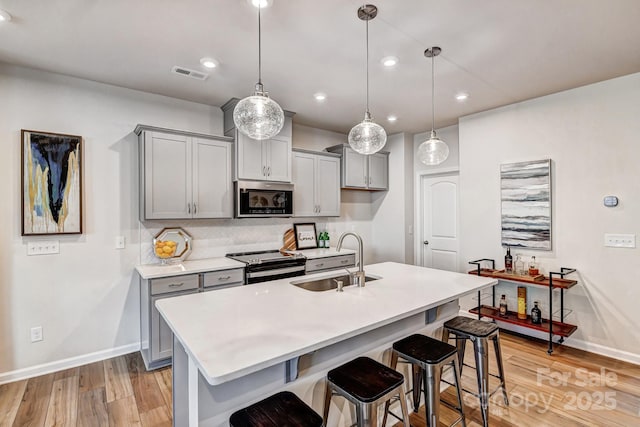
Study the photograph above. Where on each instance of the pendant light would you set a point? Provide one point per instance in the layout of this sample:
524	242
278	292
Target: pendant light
367	137
434	150
258	116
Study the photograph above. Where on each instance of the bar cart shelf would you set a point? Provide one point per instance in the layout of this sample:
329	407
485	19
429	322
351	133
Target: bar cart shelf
554	281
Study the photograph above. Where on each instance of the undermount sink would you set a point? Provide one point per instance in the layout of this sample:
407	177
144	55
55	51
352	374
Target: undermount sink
328	283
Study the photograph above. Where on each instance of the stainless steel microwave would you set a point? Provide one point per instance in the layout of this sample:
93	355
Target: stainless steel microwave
263	199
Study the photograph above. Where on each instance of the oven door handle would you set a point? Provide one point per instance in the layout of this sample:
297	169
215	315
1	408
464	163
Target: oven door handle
275	272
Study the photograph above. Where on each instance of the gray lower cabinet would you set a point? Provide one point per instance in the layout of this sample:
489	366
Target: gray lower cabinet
318	265
155	335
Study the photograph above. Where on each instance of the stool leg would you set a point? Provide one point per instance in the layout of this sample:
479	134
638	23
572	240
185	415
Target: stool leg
393	363
445	334
327	401
417	386
367	414
482	370
461	346
431	378
456	374
503	386
403	408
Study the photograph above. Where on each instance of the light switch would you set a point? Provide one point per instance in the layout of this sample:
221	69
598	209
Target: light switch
620	240
119	242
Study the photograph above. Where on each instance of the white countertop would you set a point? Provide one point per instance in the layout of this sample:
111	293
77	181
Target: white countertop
154	271
322	252
233	332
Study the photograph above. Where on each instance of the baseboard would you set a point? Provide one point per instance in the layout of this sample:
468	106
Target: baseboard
579	344
72	362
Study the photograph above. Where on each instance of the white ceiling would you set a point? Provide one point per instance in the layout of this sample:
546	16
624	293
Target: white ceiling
498	51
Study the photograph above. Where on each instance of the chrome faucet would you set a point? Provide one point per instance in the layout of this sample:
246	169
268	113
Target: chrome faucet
359	275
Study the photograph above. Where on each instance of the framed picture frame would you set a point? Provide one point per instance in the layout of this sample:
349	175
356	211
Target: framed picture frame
51	183
306	237
525	190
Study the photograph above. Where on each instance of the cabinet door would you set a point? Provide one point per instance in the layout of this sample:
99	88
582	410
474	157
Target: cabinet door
328	185
278	159
249	158
161	335
212	183
354	169
304	173
379	171
167	176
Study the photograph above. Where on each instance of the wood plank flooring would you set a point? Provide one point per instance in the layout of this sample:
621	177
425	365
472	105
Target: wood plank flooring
569	388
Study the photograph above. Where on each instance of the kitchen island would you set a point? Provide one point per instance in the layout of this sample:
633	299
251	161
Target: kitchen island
236	346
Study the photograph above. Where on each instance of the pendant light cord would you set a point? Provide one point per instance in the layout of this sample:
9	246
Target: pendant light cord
433	95
367	37
259	47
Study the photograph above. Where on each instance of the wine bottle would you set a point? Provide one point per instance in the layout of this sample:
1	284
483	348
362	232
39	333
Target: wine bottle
508	261
536	314
503	306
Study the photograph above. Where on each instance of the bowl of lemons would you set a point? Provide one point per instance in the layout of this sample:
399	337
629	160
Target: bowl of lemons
165	249
172	245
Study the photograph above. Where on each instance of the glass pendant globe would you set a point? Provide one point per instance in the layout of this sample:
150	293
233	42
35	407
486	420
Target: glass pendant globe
258	116
367	137
433	151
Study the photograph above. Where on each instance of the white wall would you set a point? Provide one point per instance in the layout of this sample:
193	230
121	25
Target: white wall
591	135
85	298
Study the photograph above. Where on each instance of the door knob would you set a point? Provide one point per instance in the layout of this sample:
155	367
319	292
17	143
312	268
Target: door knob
426	242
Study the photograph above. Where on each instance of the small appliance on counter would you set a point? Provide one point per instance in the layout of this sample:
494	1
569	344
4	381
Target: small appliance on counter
263	266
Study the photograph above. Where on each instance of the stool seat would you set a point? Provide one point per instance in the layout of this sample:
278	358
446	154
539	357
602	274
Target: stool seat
471	327
424	349
365	379
280	410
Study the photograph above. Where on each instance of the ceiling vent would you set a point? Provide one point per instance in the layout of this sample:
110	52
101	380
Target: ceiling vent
181	71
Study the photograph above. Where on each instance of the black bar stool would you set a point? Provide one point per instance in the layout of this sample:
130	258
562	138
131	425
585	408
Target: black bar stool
283	409
430	355
479	332
365	383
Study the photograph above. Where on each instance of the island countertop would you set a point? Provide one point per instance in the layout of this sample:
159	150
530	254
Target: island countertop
234	332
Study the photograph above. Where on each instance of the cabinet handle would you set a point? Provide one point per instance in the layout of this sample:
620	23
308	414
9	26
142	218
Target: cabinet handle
320	265
269	170
195	209
319	209
176	285
264	171
189	208
344	261
224	277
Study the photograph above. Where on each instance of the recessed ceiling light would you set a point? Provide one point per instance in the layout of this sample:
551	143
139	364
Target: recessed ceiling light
260	3
462	96
392	118
389	61
320	96
4	16
209	63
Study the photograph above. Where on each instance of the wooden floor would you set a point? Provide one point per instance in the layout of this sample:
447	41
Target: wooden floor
565	389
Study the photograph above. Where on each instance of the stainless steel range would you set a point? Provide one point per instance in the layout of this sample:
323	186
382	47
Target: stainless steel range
263	266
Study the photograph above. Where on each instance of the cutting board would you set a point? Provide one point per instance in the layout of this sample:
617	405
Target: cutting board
289	241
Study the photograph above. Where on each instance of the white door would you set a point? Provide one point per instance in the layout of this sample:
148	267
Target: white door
304	172
328	185
212	184
439	222
278	160
167	176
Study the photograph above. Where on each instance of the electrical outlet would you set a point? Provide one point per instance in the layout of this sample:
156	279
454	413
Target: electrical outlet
36	334
120	242
43	247
620	240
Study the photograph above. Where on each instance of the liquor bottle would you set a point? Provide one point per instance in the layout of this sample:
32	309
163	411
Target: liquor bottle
503	306
326	240
536	314
508	261
533	267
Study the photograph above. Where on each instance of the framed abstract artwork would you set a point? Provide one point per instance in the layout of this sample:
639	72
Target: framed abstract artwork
525	190
51	183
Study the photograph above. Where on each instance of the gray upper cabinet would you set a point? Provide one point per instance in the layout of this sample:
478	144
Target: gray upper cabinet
316	177
268	160
363	172
184	175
